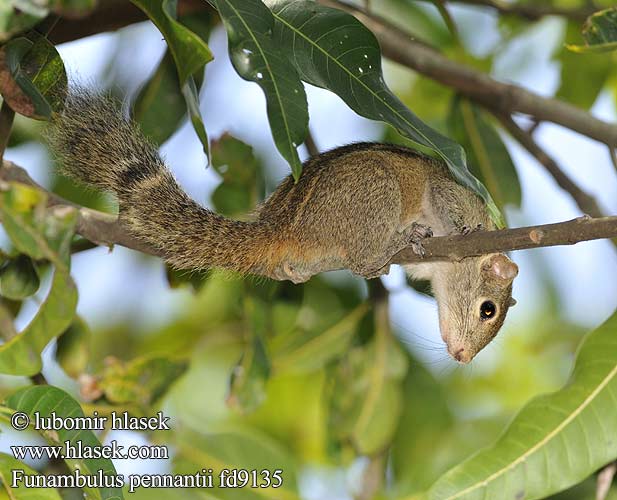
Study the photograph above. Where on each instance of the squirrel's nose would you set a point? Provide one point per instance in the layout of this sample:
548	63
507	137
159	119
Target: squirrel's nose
461	355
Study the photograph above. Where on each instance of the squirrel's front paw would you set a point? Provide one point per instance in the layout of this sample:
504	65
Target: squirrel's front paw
417	233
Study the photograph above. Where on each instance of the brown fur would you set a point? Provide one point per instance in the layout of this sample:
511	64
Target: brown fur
354	207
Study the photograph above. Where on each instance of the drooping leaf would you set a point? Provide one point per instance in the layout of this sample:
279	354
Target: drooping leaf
160	107
366	398
142	380
190	53
243	186
19	278
162	103
599	32
32	76
46	233
8	465
73	348
47	399
332	49
190	92
488	156
555	441
582	78
257	57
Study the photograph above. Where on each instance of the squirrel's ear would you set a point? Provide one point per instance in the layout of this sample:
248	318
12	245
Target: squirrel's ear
512	302
502	267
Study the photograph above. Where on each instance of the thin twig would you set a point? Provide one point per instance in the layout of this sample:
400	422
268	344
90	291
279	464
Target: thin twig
533	11
457	247
310	144
613	154
6	123
585	202
605	480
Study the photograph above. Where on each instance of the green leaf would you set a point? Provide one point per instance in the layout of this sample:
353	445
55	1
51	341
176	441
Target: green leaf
8	464
248	378
17	16
555	441
160	107
332	49
41	233
189	52
73	348
142	380
366	399
19	279
34	229
298	353
242	174
191	97
425	421
32	76
237	448
48	399
582	78
21	355
258	57
599	32
489	158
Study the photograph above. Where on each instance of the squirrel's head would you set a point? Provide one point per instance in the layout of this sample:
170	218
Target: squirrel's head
473	296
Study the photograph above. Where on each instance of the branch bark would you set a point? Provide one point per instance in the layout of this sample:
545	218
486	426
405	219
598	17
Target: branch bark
455	248
533	12
97	227
105	229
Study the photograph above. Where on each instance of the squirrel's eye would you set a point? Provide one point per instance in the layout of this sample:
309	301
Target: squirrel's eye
487	310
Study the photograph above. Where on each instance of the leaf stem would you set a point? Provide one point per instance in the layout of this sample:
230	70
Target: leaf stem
6	123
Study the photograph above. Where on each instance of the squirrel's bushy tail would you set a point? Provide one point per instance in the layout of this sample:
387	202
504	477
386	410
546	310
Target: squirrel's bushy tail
98	146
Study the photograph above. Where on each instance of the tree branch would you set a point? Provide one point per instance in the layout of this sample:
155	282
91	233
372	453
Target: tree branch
533	12
507	98
105	229
455	248
98	227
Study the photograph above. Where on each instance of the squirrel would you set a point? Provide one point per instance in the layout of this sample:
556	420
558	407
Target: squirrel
353	207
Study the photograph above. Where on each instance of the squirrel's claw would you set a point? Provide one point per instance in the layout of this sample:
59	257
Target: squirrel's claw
418	233
465	230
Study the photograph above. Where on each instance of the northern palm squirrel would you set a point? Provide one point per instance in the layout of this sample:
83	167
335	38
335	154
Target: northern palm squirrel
353	207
